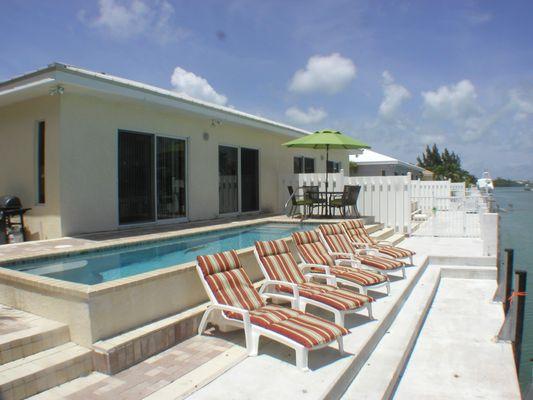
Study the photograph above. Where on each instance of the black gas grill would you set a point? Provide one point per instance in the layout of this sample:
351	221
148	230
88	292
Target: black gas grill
11	215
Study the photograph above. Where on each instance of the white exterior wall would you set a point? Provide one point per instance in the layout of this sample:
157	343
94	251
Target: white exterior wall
18	169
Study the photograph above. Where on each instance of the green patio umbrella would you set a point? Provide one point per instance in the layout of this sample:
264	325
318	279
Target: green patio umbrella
327	140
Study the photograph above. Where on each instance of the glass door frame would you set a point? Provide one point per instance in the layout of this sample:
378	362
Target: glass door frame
239	180
156	221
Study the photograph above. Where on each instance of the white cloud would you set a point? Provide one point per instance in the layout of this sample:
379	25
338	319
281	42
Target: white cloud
133	18
452	102
522	106
393	96
325	74
311	116
185	82
431	138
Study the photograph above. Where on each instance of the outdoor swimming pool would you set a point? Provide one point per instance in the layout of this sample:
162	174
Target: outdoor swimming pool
95	267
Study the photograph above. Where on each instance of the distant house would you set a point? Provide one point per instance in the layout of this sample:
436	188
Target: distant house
371	163
88	152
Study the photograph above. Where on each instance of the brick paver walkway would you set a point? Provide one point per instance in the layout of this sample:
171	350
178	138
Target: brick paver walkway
144	378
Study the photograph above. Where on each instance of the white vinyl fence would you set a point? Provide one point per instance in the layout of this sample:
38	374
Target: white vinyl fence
386	198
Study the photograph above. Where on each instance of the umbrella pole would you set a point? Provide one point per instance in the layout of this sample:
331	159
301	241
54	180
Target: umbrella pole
327	162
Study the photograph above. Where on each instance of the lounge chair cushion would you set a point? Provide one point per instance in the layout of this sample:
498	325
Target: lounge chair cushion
230	285
393	251
306	329
279	262
313	251
336	239
340	299
381	263
359	276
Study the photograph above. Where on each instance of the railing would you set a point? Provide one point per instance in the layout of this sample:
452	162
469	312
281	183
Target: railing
386	198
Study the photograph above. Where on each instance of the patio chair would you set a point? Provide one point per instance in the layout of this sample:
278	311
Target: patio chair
312	193
237	303
361	238
348	199
339	245
347	271
284	277
298	201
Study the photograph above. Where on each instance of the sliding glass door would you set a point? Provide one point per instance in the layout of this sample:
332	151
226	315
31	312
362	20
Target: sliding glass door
228	179
135	177
238	182
170	178
249	179
151	177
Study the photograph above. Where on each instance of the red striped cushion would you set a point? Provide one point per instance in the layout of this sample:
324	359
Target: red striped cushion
272	247
357	275
311	248
357	232
278	261
218	262
393	251
336	239
306	329
306	237
339	299
382	263
228	281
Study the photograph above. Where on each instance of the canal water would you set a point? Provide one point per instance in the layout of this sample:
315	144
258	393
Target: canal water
516	211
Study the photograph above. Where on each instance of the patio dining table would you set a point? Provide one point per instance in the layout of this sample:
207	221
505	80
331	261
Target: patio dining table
328	196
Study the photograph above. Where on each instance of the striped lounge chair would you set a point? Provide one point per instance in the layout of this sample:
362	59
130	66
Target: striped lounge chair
314	254
339	246
237	303
361	238
285	277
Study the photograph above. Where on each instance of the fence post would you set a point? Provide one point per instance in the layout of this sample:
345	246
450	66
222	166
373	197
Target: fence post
508	278
520	297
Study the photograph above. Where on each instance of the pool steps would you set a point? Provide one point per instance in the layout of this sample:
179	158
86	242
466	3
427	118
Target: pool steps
41	360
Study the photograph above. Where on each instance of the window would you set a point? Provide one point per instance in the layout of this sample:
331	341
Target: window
383	173
41	162
334	167
304	165
309	165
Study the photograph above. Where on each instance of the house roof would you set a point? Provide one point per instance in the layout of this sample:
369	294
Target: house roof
71	78
370	157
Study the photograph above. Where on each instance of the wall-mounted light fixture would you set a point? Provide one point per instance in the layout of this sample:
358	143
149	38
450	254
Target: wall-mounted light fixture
56	90
206	136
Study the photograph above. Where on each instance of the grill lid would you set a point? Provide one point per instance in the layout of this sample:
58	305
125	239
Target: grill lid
10	202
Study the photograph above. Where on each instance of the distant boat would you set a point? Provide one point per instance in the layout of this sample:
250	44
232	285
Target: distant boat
485	184
527	188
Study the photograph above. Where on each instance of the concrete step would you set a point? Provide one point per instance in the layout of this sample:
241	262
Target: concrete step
23	334
396	238
383	234
41	371
371	228
382	370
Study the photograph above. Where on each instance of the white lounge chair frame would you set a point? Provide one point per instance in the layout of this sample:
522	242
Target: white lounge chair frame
253	333
301	302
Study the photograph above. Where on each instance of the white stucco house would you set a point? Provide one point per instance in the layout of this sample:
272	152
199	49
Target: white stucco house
88	151
372	163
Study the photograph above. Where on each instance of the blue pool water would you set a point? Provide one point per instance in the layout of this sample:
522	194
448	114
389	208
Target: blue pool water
101	266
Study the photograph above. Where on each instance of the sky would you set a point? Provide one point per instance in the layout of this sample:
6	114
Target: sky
398	75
